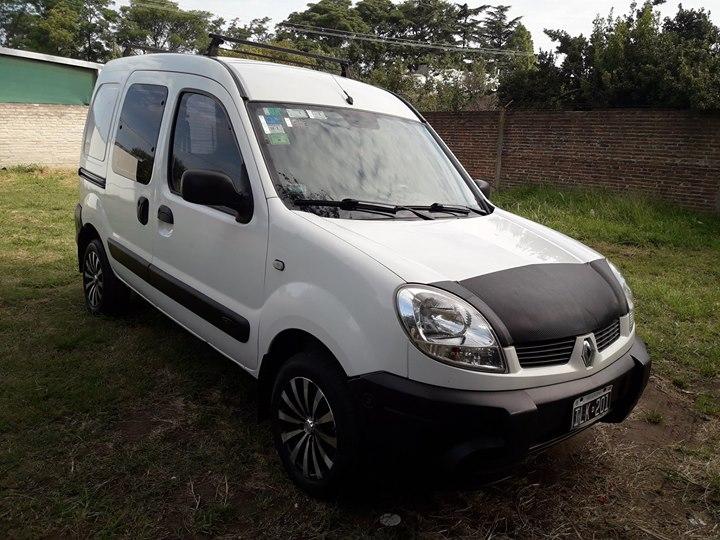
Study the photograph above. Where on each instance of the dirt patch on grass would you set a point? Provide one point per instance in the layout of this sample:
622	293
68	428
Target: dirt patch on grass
637	479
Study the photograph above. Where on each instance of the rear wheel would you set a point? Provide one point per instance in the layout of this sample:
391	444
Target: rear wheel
104	293
314	428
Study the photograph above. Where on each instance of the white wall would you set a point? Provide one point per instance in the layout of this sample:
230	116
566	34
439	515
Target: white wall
41	134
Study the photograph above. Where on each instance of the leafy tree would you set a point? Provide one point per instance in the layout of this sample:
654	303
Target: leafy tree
17	19
256	29
468	26
632	61
95	32
73	28
163	25
497	29
521	42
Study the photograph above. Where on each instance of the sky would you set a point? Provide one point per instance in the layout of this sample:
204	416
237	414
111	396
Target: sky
575	16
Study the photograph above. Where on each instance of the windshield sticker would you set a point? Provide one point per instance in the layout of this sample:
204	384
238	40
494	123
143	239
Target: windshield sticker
288	123
317	115
273	111
272	128
278	138
263	123
277	120
296	113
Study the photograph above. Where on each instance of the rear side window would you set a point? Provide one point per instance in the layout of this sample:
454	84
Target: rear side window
203	139
97	127
137	132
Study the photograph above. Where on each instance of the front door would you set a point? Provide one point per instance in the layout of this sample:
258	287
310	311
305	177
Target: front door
209	267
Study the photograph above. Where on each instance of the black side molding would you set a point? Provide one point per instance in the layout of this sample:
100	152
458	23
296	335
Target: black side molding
136	264
203	306
91	177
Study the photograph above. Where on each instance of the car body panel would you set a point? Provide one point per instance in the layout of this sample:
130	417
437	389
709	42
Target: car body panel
456	249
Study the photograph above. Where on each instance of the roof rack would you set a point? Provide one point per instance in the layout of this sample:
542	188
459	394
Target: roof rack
218	40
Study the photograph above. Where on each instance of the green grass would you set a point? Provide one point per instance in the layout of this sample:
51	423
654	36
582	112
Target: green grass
652	417
670	257
130	426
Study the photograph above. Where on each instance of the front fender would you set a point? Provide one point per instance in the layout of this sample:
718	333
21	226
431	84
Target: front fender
361	343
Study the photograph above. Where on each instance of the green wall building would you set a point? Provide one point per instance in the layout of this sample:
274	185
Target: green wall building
27	77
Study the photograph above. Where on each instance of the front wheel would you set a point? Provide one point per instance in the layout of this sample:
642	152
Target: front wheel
314	428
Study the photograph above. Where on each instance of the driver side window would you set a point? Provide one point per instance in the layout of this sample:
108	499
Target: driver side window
203	139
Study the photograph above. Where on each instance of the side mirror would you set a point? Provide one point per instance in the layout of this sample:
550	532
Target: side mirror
484	187
212	188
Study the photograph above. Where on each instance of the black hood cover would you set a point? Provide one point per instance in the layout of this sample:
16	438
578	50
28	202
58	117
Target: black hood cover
543	302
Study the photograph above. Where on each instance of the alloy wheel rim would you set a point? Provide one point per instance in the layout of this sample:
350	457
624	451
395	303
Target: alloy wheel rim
308	430
93	279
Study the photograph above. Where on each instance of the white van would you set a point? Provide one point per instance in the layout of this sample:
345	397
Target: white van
316	231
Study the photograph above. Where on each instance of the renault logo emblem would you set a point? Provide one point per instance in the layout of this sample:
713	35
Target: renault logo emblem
588	352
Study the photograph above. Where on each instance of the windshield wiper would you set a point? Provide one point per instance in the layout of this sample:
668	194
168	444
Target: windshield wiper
355	204
450	209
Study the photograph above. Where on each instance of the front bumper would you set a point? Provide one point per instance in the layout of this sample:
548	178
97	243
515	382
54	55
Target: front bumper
500	427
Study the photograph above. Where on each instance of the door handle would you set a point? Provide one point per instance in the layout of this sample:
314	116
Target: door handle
165	215
143	206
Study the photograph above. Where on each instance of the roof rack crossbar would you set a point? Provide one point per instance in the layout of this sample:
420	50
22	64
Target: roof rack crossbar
218	40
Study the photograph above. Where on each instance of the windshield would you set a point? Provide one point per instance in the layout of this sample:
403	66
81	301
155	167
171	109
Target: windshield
330	153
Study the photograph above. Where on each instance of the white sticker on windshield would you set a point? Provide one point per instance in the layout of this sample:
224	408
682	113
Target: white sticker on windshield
274	128
265	127
288	122
317	115
296	113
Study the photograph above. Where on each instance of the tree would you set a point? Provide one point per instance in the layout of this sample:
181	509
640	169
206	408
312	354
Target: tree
163	25
256	29
95	32
17	19
521	42
497	29
632	61
74	28
469	27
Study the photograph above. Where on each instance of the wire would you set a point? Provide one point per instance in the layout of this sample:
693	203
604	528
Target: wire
359	36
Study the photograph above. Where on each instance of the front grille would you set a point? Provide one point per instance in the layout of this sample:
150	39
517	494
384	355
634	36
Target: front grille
546	353
559	351
608	335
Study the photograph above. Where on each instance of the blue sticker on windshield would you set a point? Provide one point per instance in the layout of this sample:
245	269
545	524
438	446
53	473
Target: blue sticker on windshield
277	120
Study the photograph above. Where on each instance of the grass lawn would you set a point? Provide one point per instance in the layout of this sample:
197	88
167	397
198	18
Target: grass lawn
131	426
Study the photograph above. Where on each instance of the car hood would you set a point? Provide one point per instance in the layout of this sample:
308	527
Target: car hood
457	249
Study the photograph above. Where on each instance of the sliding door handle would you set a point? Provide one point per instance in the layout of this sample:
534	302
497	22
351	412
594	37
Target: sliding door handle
165	215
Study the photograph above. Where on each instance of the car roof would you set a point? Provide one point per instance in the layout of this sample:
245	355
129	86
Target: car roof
268	81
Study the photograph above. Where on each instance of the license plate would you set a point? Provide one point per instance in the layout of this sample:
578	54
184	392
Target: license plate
590	407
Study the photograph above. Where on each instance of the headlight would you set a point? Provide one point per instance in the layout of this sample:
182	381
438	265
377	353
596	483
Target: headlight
625	287
448	329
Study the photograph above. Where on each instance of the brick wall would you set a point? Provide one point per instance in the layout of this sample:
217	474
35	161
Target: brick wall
674	155
42	134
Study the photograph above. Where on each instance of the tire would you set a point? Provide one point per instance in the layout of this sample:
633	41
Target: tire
104	293
316	434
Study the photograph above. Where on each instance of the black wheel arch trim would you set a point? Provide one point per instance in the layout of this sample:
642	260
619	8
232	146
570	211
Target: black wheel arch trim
91	177
203	306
